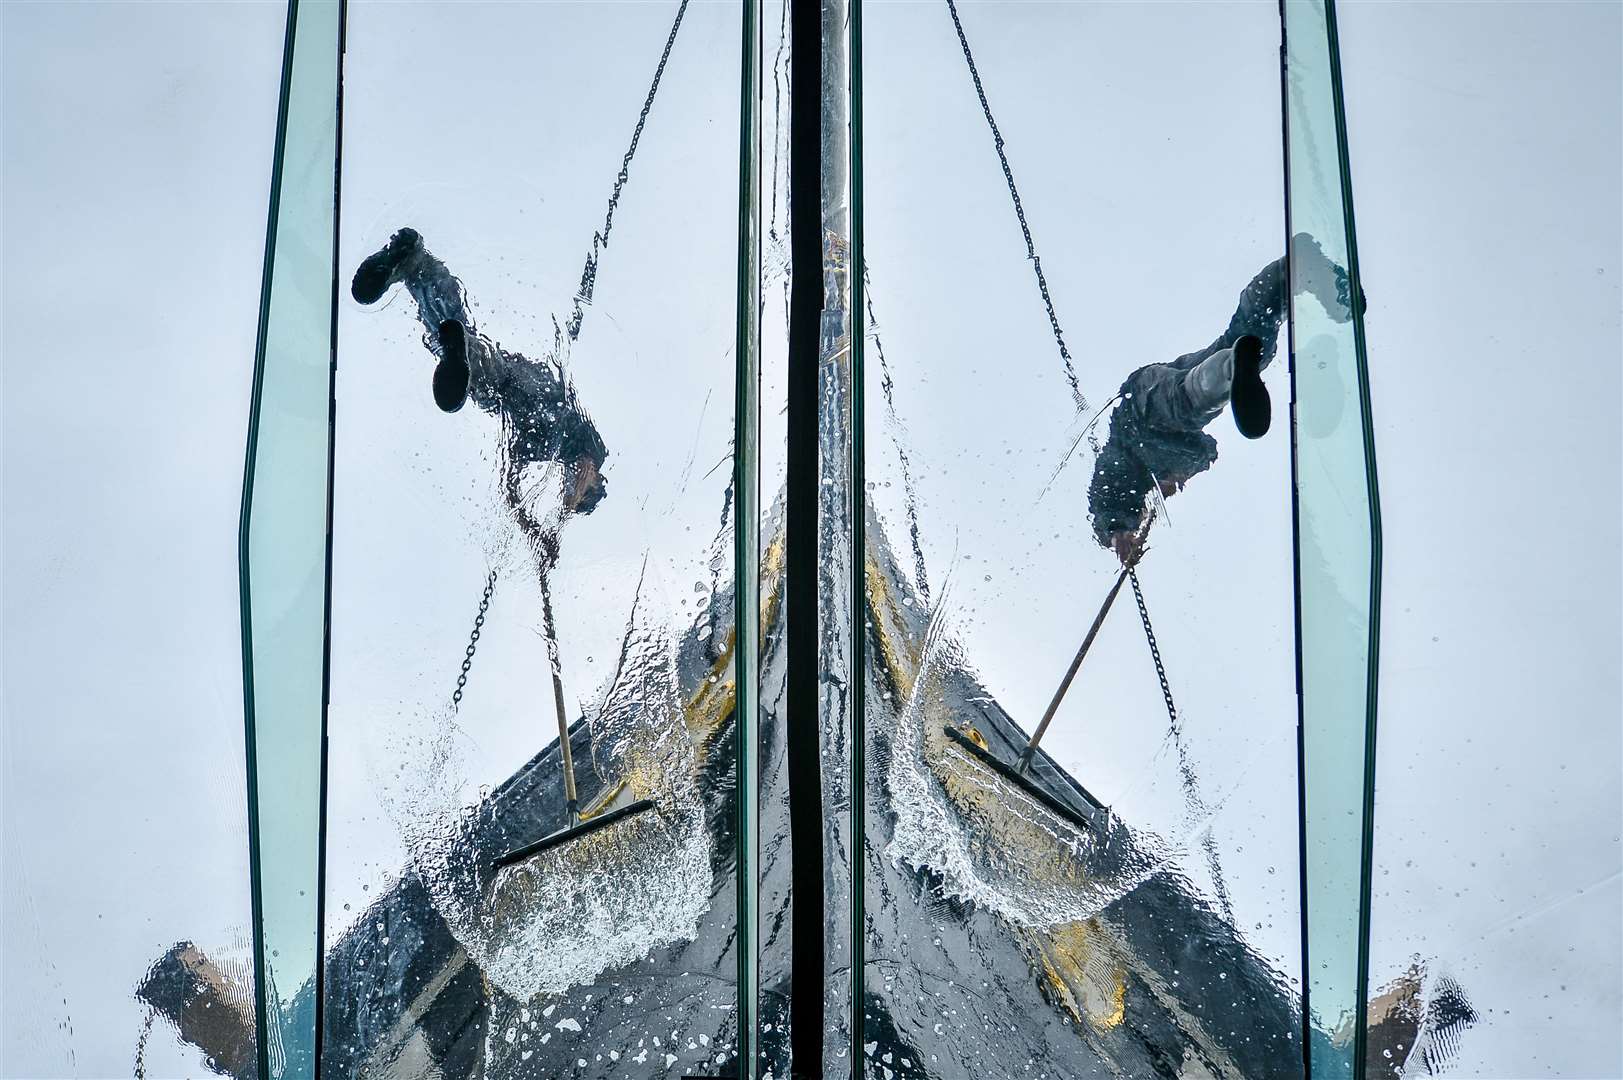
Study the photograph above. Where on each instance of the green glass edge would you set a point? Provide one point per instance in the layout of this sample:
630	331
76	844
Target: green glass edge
263	1005
859	589
1361	357
747	538
1372	651
244	525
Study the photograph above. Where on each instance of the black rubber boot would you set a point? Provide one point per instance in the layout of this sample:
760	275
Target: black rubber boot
1248	398
383	268
451	374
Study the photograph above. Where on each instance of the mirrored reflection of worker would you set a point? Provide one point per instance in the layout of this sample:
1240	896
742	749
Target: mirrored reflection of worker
1321	354
1157	432
542	423
542	419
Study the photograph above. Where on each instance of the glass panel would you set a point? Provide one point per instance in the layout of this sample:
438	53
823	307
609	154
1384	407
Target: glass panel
747	554
284	586
534	530
1124	899
836	530
806	733
1338	537
775	914
1496	944
138	143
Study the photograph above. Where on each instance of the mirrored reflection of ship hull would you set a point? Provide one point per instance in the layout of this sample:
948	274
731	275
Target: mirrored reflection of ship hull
1154	983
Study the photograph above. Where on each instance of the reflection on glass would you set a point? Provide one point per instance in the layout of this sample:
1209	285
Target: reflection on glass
1338	533
836	518
1080	820
775	850
747	563
534	780
284	561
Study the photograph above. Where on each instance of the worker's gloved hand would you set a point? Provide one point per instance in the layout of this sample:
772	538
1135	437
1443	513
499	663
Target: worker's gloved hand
1128	546
584	486
1315	272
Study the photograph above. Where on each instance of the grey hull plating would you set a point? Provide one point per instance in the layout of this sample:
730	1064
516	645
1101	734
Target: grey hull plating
1155	984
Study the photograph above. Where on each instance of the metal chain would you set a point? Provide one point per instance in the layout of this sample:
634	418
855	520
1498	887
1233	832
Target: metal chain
1196	804
140	1069
583	296
1155	650
1185	768
600	239
1020	213
473	642
910	498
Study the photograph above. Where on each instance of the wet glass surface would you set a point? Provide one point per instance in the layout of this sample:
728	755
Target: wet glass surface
1122	902
1338	557
575	505
1496	944
829	709
1127	901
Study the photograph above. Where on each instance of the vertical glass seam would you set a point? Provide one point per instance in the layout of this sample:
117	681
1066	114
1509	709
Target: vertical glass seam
244	526
746	539
1306	1032
803	737
319	978
859	504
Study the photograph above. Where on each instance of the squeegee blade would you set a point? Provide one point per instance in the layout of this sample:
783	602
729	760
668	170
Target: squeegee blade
1096	816
585	828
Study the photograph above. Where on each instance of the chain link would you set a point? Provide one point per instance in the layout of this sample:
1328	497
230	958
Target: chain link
898	439
1196	804
473	642
1020	213
600	239
583	296
1155	650
140	1069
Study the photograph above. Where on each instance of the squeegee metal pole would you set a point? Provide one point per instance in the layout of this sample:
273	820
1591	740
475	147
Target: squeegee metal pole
1076	664
571	802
